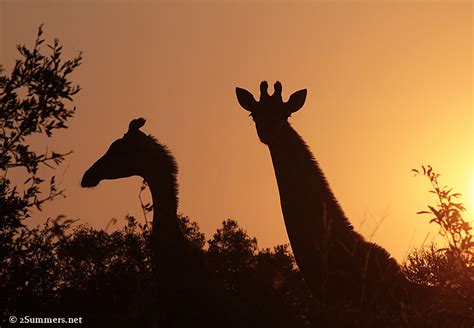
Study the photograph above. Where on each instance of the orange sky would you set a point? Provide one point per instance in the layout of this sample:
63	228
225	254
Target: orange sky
389	88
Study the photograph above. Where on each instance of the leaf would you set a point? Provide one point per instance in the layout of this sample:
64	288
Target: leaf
436	212
459	206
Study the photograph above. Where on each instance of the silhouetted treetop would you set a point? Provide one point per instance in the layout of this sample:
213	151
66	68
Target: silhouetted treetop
33	100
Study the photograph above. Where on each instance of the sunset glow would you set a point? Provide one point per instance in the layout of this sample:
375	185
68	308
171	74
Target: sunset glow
470	198
389	89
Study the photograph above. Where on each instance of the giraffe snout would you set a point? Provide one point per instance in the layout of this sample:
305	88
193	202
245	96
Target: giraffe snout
89	180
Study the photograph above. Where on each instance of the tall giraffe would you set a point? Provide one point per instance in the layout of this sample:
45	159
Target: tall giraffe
336	262
183	278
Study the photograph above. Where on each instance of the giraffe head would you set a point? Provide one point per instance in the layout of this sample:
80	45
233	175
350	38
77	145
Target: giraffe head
270	113
125	157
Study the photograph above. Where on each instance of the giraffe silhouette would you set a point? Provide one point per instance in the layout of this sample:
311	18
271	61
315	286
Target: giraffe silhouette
185	287
338	265
188	292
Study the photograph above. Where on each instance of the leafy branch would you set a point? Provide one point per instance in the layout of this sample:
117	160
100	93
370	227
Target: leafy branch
34	99
447	214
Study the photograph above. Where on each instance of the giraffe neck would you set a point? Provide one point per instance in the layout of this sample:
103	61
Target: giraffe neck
183	279
301	182
313	217
167	236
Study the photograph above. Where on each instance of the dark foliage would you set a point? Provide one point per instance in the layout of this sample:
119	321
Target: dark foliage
32	102
264	283
94	274
449	267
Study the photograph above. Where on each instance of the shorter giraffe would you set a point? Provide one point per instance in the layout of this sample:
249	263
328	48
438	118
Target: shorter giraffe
186	291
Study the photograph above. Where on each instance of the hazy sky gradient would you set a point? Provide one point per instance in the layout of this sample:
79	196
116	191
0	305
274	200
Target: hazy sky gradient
389	88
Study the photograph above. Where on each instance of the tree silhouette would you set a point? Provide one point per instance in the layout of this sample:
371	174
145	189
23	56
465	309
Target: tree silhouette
266	284
33	100
453	264
450	266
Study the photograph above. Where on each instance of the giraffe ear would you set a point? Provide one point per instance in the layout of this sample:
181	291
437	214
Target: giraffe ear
246	99
136	124
296	101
